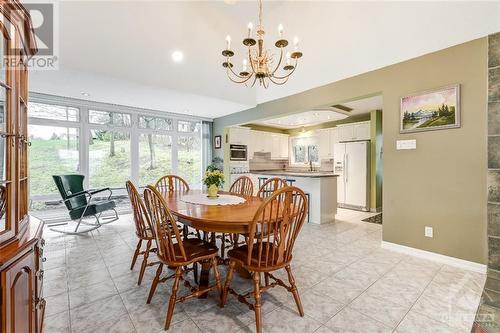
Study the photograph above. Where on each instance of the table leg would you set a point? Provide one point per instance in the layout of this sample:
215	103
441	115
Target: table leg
204	276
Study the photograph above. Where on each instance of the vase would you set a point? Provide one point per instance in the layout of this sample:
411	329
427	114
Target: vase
212	191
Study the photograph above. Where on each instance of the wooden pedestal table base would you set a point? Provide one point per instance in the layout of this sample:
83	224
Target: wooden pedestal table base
228	219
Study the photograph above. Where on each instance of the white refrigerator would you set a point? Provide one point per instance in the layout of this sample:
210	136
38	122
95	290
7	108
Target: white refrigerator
352	165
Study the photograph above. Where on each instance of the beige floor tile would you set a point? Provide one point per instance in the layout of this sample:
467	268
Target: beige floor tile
58	323
94	292
417	323
56	304
351	321
386	312
347	282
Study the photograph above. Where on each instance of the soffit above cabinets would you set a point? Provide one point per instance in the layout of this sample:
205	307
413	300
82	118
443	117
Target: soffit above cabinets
308	118
325	114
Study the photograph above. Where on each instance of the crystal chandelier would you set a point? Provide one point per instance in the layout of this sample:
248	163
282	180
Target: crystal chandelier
260	64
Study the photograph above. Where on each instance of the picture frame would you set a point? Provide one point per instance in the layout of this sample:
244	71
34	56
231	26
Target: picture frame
218	142
430	110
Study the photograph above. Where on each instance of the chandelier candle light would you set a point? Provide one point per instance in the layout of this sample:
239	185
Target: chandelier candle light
260	63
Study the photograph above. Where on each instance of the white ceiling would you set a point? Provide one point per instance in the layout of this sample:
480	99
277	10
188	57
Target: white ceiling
120	51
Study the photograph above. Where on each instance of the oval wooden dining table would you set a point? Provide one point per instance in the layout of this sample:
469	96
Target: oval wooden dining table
213	218
229	219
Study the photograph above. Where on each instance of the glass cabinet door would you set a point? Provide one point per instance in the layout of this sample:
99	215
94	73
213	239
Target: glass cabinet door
6	139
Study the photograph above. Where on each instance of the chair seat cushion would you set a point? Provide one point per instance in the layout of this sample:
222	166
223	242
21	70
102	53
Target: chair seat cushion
241	254
195	248
92	209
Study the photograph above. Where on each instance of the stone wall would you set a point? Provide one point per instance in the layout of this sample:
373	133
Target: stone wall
488	315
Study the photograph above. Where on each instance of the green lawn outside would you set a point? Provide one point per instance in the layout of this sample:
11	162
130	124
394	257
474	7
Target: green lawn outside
47	158
50	157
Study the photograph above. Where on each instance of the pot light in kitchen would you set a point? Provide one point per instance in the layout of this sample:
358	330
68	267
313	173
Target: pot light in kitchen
260	64
85	94
177	56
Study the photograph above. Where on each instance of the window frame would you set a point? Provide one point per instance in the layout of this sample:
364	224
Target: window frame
84	127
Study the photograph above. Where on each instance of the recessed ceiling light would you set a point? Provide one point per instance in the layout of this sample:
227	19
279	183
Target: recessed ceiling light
86	94
177	56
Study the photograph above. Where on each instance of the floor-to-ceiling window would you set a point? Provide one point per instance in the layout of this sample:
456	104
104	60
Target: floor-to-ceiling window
54	136
109	145
189	152
155	148
109	149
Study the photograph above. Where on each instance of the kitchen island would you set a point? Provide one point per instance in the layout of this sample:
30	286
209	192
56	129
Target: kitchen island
321	187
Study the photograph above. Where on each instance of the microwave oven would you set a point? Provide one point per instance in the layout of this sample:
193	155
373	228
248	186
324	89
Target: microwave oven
238	152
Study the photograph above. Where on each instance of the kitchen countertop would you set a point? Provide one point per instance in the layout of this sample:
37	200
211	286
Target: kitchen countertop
309	174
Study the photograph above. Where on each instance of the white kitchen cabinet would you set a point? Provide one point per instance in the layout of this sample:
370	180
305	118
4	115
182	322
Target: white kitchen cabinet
334	139
346	133
362	131
275	146
239	135
267	142
354	131
279	146
324	137
284	146
254	145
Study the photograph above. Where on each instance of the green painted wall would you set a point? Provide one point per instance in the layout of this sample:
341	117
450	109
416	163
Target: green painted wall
439	184
376	160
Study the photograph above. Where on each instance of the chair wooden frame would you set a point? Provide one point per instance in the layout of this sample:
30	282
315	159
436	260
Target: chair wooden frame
269	247
143	230
170	183
270	186
176	252
243	186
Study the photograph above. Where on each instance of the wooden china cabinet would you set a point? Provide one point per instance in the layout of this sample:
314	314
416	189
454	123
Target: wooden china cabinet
21	245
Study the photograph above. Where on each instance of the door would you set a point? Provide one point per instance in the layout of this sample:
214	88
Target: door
339	170
356	173
18	295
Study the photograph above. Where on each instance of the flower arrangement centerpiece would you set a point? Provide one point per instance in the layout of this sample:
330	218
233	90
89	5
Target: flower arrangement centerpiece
214	179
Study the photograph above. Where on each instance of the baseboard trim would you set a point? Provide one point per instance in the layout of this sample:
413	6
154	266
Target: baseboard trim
452	261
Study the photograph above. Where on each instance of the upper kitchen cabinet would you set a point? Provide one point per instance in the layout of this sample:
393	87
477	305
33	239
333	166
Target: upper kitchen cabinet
327	139
354	131
239	136
279	147
267	142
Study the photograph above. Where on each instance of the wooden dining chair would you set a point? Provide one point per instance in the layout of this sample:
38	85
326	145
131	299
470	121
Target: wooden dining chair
143	230
243	186
269	247
170	183
270	186
176	252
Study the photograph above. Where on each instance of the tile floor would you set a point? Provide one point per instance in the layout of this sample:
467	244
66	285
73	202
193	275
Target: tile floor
348	283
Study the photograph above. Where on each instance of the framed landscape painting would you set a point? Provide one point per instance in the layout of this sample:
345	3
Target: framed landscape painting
431	110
